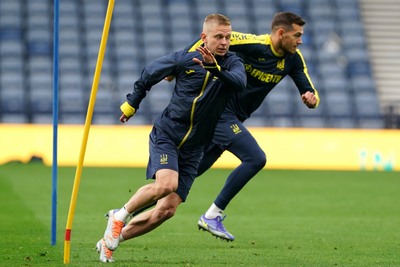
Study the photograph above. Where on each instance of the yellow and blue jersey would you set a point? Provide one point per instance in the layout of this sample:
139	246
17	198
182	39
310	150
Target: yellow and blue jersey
265	69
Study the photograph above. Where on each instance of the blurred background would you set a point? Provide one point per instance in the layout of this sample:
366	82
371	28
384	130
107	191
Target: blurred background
350	48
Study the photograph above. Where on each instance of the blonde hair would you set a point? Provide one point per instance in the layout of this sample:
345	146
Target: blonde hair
215	19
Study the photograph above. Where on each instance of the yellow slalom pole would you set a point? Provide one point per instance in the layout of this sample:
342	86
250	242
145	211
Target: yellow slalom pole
86	130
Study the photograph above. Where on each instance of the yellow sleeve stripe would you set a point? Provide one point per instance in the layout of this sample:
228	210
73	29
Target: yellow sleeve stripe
127	109
308	77
238	38
193	48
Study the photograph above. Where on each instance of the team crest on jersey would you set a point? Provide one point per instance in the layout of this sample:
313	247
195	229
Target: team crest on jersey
248	67
281	64
215	78
236	128
164	159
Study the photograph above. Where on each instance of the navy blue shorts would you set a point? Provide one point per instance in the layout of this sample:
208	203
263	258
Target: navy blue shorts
228	130
164	154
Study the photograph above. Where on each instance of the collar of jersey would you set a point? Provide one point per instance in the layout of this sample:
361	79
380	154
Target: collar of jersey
269	41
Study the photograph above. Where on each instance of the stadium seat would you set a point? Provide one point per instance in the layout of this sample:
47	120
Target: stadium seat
307	39
10	7
41	80
40	65
154	51
106	100
69	50
343	122
178	9
338	104
12	99
347	3
11	48
353	41
367	105
351	27
125	38
10	22
263	26
78	118
205	8
124	24
180	40
68	8
371	123
320	11
14	118
335	84
359	68
356	55
347	14
11	64
125	84
279	103
41	100
128	67
71	80
281	121
325	26
72	100
106	119
70	66
123	10
311	122
362	83
69	36
94	23
42	118
94	9
153	24
39	36
36	22
235	10
329	70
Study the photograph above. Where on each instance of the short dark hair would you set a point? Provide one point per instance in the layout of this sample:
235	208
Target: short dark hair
285	19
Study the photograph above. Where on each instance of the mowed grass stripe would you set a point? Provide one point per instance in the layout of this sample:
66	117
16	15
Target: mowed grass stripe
281	218
24	238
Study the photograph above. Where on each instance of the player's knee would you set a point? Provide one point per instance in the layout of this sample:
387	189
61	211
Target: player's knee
260	160
165	189
169	213
166	212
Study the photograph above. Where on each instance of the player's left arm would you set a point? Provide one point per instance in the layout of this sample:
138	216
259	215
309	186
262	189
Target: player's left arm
234	77
299	74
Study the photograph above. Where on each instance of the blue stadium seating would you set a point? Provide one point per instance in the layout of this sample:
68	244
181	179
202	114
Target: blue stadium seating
142	30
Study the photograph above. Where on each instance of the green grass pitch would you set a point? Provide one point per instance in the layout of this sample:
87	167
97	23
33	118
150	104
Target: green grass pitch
281	218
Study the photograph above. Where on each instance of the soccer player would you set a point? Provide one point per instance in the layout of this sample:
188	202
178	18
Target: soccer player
268	59
206	79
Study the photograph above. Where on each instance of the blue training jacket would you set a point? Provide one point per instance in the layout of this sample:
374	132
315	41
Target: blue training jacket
199	97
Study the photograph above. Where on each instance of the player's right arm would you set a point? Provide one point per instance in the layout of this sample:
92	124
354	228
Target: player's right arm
151	75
